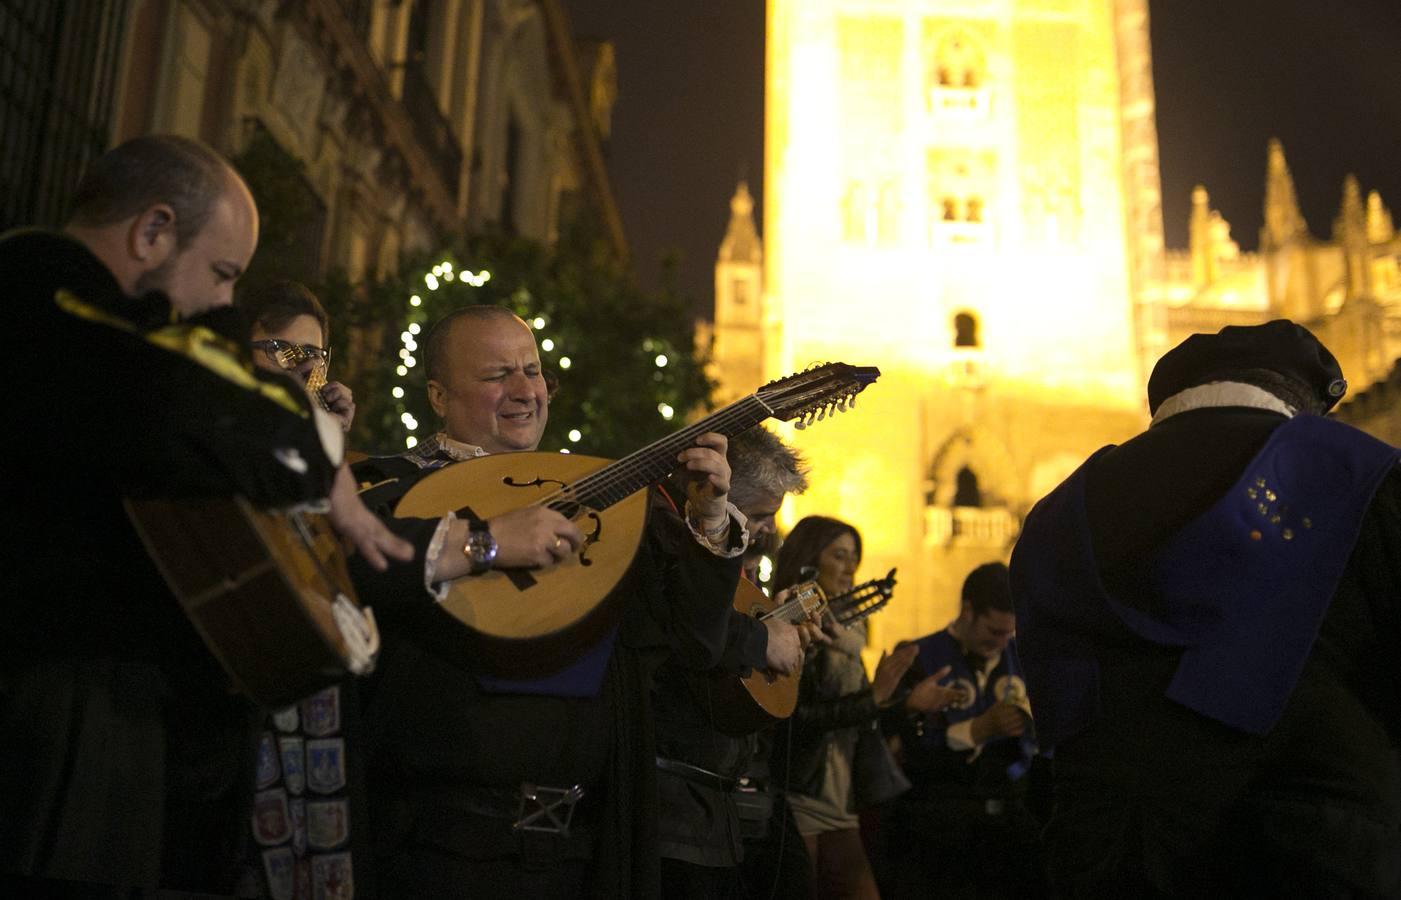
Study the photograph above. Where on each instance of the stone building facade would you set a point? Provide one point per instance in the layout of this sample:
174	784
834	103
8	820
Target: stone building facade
416	120
967	194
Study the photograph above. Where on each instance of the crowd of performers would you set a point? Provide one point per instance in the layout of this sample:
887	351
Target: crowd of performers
1201	698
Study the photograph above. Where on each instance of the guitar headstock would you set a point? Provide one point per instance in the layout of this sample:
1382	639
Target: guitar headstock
812	395
805	600
864	599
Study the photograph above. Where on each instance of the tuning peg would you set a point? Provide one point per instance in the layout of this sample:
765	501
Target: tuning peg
800	424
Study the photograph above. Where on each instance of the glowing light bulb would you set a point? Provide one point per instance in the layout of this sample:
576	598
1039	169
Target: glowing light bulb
666	411
431	280
414	328
398	393
410	361
575	434
661	360
538	322
401	371
410	442
565	362
547	345
415	300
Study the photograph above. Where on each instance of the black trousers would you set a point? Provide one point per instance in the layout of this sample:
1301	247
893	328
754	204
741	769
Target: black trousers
777	866
688	881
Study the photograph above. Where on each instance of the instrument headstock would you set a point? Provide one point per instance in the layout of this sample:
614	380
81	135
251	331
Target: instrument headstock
815	393
864	599
806	600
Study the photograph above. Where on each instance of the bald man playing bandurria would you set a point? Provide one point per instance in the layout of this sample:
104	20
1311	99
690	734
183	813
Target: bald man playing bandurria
463	764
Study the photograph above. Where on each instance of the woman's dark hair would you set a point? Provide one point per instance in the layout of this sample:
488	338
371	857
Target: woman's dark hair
805	544
273	307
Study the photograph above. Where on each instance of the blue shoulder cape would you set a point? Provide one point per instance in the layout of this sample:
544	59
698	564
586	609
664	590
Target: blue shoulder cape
1242	589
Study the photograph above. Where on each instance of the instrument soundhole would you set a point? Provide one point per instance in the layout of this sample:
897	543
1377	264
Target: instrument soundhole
590	538
510	481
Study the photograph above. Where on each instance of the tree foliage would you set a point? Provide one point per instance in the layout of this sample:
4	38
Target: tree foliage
624	358
601	334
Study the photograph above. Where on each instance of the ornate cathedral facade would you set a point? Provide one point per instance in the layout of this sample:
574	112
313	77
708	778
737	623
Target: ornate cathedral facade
966	193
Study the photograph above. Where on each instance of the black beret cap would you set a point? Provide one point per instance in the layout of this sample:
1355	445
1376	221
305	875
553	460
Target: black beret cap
1279	346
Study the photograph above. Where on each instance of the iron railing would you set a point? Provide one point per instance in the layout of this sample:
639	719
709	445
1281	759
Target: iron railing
58	72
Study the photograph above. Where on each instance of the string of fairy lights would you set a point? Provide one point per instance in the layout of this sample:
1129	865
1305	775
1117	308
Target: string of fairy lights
416	319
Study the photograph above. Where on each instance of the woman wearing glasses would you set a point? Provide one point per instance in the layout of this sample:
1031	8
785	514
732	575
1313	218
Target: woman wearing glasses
290	334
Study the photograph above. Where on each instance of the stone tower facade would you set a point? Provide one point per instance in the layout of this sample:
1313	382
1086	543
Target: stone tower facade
965	193
737	351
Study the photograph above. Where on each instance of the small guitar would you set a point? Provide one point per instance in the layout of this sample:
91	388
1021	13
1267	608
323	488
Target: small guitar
862	601
519	623
739	705
267	591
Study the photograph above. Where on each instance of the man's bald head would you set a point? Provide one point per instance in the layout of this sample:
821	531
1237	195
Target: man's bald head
485	381
435	354
184	174
166	213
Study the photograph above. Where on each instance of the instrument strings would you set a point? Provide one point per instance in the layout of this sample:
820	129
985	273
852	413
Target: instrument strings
622	476
650	463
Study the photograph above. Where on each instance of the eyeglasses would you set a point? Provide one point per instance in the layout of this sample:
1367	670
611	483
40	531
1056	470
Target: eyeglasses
286	355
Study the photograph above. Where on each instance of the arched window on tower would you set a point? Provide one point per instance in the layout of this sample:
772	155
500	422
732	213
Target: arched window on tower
966	491
960	63
965	330
957	76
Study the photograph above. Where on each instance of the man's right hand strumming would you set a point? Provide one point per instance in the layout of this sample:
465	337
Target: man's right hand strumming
533	537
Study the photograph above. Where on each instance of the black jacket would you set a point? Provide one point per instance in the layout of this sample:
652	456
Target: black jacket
1155	795
439	747
120	739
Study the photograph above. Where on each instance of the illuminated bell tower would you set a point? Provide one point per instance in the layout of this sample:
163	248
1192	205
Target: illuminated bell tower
965	193
737	357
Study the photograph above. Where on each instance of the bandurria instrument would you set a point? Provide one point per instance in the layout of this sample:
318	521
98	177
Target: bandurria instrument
741	704
525	623
862	601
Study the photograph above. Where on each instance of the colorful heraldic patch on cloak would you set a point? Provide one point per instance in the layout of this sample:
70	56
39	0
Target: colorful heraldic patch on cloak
306	838
325	762
280	869
321	713
267	768
332	877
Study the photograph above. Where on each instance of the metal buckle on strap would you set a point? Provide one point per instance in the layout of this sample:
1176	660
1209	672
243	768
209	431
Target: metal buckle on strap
547	810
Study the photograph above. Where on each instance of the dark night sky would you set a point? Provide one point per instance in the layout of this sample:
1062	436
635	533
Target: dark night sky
1322	75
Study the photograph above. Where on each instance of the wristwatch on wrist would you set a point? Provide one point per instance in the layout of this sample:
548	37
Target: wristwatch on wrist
480	548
